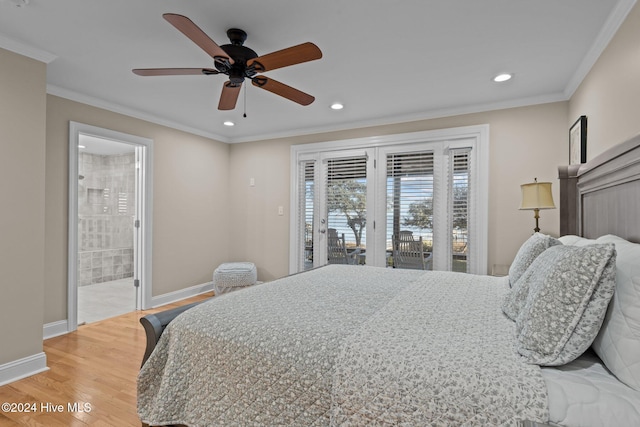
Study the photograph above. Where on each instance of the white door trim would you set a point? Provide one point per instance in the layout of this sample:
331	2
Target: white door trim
146	215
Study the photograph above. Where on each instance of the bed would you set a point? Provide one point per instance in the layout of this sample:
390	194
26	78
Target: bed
354	345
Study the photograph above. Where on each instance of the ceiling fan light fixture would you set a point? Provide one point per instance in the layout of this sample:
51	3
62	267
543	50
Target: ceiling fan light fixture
337	106
238	62
228	123
503	77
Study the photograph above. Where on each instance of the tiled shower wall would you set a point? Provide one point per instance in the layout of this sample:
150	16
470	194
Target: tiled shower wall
106	209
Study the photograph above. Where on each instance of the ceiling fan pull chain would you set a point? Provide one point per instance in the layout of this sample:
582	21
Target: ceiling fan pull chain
245	102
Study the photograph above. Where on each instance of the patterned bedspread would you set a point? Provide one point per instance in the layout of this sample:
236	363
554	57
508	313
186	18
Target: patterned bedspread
344	345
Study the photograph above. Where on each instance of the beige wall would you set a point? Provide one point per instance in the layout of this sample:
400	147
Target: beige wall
258	233
610	94
190	201
526	143
22	189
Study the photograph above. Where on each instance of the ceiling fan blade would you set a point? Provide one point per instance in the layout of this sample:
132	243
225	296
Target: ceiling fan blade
199	37
229	96
173	71
283	90
283	58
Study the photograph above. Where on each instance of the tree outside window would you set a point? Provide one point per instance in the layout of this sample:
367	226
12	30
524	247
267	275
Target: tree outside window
349	198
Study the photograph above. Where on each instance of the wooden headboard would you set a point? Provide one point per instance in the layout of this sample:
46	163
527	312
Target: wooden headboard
602	196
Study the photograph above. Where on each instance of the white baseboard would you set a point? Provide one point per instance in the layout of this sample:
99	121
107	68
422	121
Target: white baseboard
22	368
181	294
61	327
54	329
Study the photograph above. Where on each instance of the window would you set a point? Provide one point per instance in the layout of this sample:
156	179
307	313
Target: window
409	199
347	199
459	191
306	213
430	185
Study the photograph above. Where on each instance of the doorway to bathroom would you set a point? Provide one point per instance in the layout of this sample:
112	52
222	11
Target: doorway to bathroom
109	224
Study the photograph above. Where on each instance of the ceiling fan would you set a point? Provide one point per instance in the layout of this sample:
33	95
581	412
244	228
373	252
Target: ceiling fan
239	62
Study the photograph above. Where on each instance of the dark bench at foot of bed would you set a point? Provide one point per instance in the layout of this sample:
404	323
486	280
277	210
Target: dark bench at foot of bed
154	325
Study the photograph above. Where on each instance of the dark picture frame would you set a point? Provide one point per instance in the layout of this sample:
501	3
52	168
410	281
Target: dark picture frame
578	141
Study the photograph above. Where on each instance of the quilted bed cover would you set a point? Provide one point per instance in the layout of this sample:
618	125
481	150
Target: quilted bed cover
342	346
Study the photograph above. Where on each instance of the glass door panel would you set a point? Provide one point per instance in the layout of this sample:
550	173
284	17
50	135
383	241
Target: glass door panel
459	209
410	219
346	210
331	209
306	214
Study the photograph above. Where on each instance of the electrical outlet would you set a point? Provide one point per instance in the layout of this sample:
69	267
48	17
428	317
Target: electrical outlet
280	210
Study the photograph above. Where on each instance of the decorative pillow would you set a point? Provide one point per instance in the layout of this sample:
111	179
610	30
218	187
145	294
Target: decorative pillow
515	299
569	290
618	343
528	252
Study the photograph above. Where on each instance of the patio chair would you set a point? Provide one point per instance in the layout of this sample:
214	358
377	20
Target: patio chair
336	249
409	252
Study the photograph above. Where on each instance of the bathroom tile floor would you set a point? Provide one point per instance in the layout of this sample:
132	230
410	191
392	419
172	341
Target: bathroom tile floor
104	300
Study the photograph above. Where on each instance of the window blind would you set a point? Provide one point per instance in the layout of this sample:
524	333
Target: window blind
459	203
410	195
347	198
306	218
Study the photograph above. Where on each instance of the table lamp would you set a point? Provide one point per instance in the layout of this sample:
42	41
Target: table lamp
535	196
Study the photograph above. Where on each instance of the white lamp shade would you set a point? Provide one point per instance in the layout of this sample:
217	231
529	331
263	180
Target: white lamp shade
537	195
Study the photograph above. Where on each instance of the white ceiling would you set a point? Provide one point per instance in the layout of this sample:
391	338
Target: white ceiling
387	61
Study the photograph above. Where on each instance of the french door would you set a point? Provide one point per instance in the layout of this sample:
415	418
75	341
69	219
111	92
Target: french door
352	204
334	198
423	194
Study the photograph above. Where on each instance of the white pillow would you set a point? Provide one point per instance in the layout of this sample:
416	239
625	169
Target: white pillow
573	240
568	291
618	343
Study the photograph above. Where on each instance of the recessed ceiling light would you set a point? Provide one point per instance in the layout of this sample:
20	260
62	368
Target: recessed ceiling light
81	146
502	77
229	123
337	106
18	3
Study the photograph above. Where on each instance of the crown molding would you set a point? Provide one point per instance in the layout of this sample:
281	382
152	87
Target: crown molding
26	50
428	115
131	112
608	31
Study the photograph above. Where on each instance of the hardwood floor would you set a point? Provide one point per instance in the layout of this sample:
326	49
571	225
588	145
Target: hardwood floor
94	368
